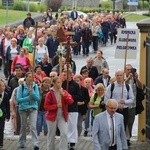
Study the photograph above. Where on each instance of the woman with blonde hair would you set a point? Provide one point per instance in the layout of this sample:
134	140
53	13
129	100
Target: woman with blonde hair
96	101
41	49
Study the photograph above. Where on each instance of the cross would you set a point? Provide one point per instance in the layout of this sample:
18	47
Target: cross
61	38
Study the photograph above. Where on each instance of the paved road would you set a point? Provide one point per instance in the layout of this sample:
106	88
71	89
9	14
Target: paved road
11	142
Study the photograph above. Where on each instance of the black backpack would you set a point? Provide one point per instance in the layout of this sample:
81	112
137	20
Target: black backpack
113	86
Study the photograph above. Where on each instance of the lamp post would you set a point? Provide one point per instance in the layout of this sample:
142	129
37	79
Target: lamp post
28	6
113	7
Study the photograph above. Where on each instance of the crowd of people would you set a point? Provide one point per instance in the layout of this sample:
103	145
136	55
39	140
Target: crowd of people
39	95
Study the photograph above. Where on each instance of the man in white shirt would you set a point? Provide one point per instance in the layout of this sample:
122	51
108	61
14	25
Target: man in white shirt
108	129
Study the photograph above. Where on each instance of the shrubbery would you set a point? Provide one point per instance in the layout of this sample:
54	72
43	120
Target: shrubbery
20	5
55	5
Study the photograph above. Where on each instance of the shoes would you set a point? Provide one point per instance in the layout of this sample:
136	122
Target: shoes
1	148
128	142
85	133
36	148
72	148
21	146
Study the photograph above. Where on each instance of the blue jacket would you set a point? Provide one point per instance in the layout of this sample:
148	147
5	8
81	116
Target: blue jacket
23	97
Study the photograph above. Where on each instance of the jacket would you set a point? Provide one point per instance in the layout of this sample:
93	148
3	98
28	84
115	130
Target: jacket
51	106
8	54
29	45
101	135
23	97
5	106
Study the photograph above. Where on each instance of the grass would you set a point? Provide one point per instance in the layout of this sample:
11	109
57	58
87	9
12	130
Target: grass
134	17
13	15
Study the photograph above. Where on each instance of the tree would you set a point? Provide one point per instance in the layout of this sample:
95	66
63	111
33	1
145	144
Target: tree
54	4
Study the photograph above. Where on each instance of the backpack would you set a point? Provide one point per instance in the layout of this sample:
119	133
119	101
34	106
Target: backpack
113	86
100	34
140	96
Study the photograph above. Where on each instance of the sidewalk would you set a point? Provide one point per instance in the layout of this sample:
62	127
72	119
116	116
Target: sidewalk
84	143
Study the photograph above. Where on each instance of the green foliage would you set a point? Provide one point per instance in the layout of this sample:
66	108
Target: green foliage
18	5
107	5
143	5
23	6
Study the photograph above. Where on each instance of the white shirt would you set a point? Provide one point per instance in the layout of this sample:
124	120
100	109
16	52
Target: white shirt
117	94
41	51
105	81
13	53
110	127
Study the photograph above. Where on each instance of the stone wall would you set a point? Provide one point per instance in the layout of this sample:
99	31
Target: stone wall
119	4
84	3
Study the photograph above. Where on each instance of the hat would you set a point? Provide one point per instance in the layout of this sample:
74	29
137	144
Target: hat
28	14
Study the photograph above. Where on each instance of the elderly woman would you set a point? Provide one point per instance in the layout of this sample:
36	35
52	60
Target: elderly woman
41	49
28	97
41	122
23	60
96	102
99	62
28	41
56	102
21	36
11	52
39	74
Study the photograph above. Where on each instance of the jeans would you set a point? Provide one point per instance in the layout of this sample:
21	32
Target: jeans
85	47
76	49
95	43
32	120
41	122
87	120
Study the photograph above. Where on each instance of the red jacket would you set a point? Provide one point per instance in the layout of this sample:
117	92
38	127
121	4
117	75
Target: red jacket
51	106
37	79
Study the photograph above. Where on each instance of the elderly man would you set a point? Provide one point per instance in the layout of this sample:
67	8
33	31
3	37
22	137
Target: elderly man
104	78
93	73
108	129
122	92
46	66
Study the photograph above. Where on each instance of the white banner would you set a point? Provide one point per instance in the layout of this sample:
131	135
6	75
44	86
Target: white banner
133	2
121	44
